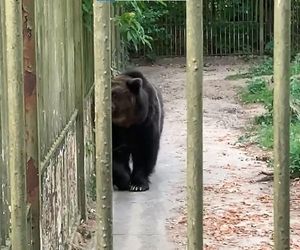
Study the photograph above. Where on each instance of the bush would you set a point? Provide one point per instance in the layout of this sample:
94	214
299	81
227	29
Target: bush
257	91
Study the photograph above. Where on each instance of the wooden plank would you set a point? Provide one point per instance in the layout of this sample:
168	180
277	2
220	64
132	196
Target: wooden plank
13	45
79	90
3	163
261	27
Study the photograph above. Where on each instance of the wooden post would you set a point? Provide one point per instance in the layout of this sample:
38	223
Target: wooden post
113	39
13	46
3	114
194	123
79	77
2	237
119	53
261	27
31	127
2	164
103	124
282	41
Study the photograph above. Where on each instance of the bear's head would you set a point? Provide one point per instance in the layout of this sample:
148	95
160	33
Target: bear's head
129	101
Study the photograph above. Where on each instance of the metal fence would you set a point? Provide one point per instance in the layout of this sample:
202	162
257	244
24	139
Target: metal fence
230	27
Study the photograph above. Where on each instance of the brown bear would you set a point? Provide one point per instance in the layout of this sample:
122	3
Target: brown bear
137	124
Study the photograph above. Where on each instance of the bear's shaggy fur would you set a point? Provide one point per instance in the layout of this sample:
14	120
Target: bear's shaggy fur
137	117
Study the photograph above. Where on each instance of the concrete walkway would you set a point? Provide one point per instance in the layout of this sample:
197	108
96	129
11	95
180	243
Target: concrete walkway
140	219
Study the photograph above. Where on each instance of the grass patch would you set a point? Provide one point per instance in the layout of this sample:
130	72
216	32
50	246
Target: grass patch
260	69
264	138
257	91
264	68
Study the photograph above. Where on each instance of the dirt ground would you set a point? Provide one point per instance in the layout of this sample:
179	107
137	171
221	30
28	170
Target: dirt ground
238	210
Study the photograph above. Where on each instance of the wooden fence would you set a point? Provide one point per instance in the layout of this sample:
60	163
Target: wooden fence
4	180
231	27
59	105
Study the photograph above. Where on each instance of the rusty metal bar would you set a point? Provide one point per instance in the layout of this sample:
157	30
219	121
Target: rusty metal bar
31	127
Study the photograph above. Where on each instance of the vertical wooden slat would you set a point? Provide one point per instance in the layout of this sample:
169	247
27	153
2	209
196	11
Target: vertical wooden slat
234	31
194	123
13	45
2	237
68	52
2	222
103	125
261	27
3	153
248	20
253	4
220	19
282	41
79	103
40	72
176	40
225	31
113	39
118	42
211	27
241	30
230	30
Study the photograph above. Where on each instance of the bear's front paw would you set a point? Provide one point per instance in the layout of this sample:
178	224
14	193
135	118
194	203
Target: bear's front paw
139	185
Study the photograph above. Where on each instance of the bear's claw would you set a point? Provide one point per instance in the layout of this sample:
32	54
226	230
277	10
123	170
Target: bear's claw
135	188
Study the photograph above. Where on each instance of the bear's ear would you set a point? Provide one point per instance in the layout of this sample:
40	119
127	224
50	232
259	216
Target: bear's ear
135	85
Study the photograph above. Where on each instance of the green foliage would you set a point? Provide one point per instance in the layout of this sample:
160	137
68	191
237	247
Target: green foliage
132	31
257	91
295	67
138	22
92	187
87	12
265	136
295	149
269	48
262	69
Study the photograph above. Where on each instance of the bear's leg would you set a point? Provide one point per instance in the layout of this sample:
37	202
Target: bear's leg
144	159
121	171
